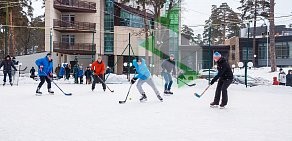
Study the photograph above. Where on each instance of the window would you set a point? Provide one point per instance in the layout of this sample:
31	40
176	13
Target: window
108	42
67	20
282	50
250	54
70	39
262	51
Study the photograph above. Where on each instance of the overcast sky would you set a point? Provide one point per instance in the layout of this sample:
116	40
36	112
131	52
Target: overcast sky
195	12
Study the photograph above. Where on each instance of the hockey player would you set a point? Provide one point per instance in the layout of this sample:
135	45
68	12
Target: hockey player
45	66
98	68
144	75
7	64
225	77
168	66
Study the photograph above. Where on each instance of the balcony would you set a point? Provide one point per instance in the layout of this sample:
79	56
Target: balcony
74	49
75	27
75	6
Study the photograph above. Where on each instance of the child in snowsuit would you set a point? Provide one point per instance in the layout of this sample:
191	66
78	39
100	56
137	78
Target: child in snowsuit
144	76
282	77
88	74
80	74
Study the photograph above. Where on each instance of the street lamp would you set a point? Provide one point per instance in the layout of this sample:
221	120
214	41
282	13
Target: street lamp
51	35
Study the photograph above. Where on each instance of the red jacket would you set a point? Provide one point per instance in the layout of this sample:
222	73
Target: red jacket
98	68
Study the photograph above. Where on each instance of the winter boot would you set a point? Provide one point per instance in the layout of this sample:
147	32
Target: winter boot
4	84
11	83
160	98
143	98
213	104
50	91
38	92
166	92
169	92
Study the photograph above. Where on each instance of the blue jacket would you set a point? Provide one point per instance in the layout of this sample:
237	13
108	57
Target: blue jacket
80	73
142	70
47	66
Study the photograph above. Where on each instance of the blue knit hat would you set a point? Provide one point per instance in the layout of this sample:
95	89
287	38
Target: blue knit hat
216	54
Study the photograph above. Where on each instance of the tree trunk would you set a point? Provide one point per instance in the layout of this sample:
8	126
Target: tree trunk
272	37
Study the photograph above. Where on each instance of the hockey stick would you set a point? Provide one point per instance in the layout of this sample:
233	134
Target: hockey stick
190	85
199	95
105	84
122	102
67	94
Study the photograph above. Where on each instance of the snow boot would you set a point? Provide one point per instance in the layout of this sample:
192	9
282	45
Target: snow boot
38	92
11	83
50	91
160	98
143	98
165	91
4	84
214	105
169	92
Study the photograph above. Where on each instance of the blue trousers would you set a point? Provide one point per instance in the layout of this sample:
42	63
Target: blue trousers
168	81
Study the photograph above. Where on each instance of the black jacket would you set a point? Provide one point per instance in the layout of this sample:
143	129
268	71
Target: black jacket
7	65
289	80
88	73
169	66
224	70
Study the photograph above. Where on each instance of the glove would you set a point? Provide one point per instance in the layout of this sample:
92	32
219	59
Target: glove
133	80
41	68
212	82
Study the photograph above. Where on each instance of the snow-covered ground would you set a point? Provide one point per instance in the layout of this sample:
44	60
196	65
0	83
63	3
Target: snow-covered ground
261	113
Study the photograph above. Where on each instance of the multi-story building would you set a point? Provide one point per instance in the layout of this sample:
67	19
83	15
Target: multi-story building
82	30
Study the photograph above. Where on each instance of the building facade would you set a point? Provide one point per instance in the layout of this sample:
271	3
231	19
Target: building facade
82	30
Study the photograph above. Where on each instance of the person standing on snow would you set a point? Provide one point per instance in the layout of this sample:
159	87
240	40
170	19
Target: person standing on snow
98	68
282	77
32	73
45	72
225	77
289	78
7	64
80	74
88	74
144	75
168	66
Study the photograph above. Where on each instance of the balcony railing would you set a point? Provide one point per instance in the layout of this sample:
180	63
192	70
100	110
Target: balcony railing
76	48
69	26
75	6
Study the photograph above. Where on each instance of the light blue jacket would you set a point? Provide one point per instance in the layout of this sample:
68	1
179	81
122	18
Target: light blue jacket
47	66
142	70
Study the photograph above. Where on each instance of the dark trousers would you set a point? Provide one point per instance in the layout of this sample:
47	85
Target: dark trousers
88	80
9	75
168	81
98	79
43	79
222	87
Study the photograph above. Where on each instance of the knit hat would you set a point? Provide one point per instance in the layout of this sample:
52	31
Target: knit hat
138	59
171	55
49	54
216	54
